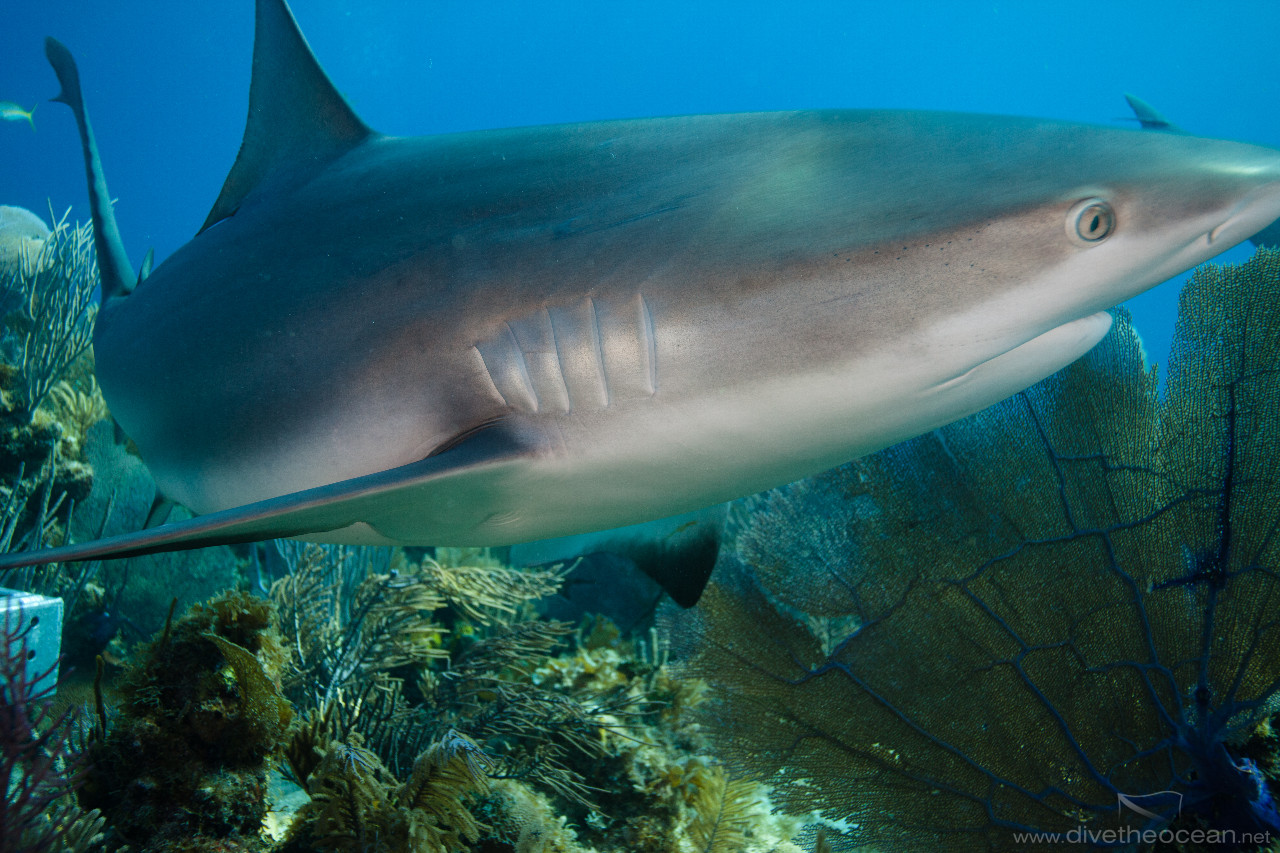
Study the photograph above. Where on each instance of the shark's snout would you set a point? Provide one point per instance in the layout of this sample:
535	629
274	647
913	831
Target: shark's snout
1258	209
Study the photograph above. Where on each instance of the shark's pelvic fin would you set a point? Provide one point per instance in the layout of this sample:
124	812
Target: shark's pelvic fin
677	552
117	274
161	507
297	123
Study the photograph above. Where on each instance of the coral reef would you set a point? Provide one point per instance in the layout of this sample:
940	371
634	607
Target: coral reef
48	397
433	711
579	740
357	805
402	654
1057	616
184	761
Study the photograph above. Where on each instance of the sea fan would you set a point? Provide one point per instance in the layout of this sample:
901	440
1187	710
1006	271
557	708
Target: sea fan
1061	616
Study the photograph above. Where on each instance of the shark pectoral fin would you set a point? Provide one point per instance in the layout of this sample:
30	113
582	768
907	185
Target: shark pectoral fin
405	491
298	123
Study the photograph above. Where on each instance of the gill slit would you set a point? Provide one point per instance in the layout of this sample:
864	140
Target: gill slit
650	344
555	342
488	370
597	339
523	364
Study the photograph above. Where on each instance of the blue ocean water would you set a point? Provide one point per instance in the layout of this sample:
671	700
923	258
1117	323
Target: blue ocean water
167	83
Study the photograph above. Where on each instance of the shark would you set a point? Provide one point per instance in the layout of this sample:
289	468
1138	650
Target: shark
492	337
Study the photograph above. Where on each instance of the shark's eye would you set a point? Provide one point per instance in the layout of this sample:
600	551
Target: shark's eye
1090	221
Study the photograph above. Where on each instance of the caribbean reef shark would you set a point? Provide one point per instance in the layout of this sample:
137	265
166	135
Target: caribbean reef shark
493	337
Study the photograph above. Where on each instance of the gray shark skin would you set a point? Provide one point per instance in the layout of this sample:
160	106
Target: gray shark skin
495	337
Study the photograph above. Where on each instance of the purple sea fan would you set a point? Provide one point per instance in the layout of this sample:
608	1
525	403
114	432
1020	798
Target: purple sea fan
36	761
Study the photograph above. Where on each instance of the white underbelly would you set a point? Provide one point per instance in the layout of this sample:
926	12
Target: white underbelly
656	458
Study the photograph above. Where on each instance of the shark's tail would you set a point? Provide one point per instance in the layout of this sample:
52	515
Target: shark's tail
31	118
118	278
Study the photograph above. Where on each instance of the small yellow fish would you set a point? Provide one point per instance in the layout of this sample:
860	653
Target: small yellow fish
12	112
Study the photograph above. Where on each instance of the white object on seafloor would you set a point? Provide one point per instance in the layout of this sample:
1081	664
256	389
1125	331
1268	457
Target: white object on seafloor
43	614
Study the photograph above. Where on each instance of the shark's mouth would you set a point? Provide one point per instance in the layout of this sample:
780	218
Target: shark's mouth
1029	362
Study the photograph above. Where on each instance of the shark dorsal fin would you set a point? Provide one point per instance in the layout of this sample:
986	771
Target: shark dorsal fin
297	120
1149	117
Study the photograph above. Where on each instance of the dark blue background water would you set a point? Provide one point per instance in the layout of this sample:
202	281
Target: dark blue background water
167	82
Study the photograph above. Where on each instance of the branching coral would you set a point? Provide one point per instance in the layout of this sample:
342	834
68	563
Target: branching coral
724	811
344	630
78	406
29	514
489	694
432	795
1062	605
57	289
487	593
357	805
373	654
35	510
